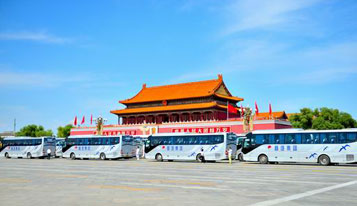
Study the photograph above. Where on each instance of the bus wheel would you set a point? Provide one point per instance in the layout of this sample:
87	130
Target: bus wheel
240	157
29	156
7	155
158	157
199	158
73	156
263	159
324	160
102	156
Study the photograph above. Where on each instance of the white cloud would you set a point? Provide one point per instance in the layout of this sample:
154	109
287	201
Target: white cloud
28	79
259	14
34	36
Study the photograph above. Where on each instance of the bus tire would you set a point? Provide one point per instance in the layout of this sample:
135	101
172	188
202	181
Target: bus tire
324	160
102	156
263	159
72	156
159	158
7	155
199	158
29	156
240	157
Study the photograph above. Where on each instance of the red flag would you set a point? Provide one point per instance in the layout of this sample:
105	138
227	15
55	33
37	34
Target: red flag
91	119
256	108
75	121
232	109
270	110
241	110
82	122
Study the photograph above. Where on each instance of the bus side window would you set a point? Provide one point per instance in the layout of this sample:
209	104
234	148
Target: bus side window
351	137
333	138
315	138
342	137
306	139
298	138
281	138
219	139
290	139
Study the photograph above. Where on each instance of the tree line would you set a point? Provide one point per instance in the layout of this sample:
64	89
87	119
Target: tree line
39	131
322	118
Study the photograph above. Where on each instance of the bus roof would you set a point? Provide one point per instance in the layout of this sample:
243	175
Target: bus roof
21	138
96	136
287	131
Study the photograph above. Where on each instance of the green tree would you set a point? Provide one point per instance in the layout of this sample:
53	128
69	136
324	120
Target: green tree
34	131
303	119
64	131
323	118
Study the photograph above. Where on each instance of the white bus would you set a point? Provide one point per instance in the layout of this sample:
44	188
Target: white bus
139	142
240	141
187	146
27	147
316	146
60	144
98	147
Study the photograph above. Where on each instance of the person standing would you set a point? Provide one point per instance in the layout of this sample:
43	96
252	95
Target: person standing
230	155
48	153
137	153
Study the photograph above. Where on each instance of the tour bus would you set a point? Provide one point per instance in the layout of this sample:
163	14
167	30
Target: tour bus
240	141
139	142
187	146
316	146
60	143
98	147
27	147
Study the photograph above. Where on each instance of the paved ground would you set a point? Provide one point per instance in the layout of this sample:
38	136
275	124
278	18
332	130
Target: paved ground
129	182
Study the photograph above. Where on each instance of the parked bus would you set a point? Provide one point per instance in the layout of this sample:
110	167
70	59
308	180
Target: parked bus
316	146
60	144
187	146
240	141
98	147
139	142
27	147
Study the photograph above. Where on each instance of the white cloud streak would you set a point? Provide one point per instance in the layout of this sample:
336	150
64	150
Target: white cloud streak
37	79
259	14
34	36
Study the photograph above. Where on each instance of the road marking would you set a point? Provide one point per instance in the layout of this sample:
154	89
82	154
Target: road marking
181	182
302	195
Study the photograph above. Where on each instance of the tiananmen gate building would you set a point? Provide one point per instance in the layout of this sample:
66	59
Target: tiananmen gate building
195	107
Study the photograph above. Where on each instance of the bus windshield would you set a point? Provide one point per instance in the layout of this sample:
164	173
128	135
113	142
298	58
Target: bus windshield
49	141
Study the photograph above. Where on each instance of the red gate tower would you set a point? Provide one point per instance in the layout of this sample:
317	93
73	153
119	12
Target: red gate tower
197	107
187	102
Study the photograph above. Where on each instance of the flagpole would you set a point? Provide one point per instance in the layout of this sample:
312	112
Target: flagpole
227	111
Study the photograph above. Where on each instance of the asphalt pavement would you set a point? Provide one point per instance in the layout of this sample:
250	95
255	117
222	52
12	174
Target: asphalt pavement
130	182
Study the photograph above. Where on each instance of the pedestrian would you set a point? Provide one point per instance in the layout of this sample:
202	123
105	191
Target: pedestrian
48	153
137	153
202	155
230	155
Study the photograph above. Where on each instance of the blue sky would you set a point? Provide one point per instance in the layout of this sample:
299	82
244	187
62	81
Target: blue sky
66	58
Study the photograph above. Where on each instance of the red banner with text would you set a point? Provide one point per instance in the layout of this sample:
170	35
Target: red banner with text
202	130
